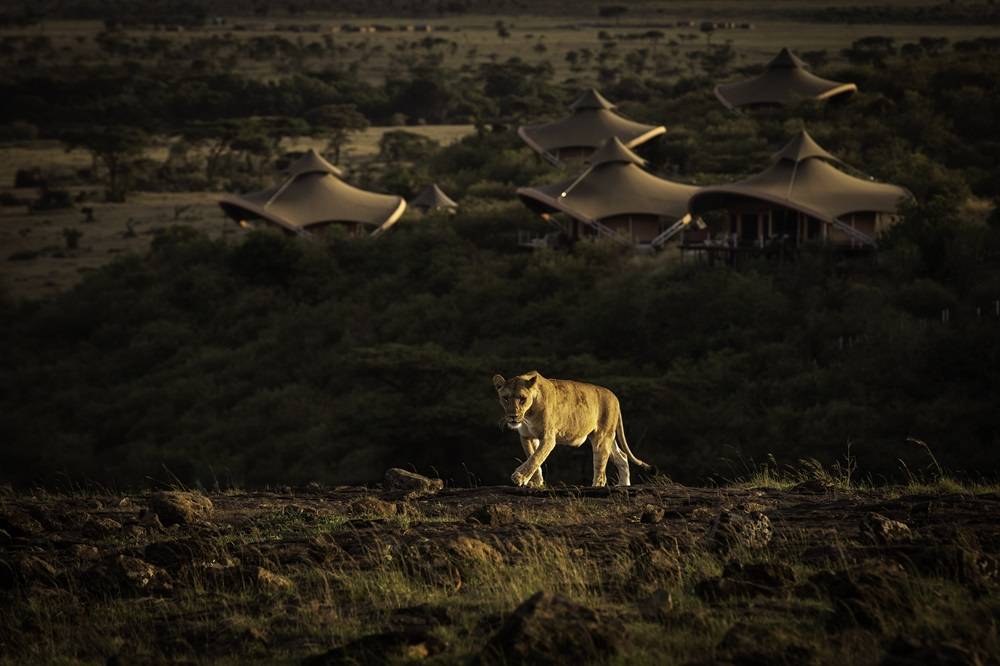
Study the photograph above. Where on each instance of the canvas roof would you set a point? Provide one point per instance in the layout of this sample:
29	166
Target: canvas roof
785	81
431	198
614	184
803	179
312	195
592	123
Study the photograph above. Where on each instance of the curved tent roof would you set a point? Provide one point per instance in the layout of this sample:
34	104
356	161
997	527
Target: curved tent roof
803	179
432	198
786	80
614	184
593	122
312	195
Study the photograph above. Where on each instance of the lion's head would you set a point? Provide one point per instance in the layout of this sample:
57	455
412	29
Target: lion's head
516	397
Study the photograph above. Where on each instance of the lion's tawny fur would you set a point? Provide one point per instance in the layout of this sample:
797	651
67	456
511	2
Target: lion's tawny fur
547	412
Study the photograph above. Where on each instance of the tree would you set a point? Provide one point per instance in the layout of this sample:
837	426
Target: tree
113	148
336	122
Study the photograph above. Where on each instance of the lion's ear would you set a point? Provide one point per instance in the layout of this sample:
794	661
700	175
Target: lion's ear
530	383
498	382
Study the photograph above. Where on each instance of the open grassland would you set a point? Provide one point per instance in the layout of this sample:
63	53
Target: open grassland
38	260
242	44
818	573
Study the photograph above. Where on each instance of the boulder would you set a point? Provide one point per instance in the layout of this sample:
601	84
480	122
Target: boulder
176	553
652	514
127	576
468	550
180	508
270	581
906	651
99	527
883	530
813	486
757	579
864	598
735	529
756	644
19	523
658	606
492	514
404	646
372	507
549	630
400	479
83	551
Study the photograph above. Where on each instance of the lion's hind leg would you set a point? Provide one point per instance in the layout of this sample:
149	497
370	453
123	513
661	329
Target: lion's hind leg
621	464
602	447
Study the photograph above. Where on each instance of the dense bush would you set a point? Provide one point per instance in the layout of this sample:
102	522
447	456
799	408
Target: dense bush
277	360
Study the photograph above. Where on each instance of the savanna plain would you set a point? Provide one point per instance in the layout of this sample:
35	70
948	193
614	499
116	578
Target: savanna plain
212	433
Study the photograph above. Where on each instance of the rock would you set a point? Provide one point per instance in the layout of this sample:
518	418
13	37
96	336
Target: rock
652	514
469	550
180	508
657	607
400	479
177	553
864	598
31	569
8	575
19	523
650	561
810	486
393	646
905	651
884	530
492	514
82	551
270	581
758	579
733	529
373	507
97	528
127	576
549	629
422	616
757	644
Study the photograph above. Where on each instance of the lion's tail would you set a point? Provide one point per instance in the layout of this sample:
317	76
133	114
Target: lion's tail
620	436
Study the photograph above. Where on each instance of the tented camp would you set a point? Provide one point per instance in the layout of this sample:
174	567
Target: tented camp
592	123
432	198
785	81
614	198
312	196
801	198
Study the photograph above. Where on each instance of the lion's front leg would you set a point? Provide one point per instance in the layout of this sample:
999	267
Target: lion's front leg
527	470
529	444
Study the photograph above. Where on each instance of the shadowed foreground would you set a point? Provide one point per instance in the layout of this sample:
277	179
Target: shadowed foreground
652	574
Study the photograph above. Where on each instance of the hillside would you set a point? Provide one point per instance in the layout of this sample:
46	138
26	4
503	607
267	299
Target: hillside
661	573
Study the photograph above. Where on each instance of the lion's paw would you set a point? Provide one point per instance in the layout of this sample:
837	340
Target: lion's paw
521	476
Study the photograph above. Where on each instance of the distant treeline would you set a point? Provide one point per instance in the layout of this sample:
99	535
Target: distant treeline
954	13
923	105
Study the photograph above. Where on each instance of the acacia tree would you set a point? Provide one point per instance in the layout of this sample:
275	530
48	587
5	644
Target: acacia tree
336	122
115	148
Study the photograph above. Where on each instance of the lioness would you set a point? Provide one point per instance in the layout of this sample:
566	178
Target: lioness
546	412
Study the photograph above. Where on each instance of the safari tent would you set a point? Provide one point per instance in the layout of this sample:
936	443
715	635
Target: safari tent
785	81
432	198
802	197
592	122
615	198
312	196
